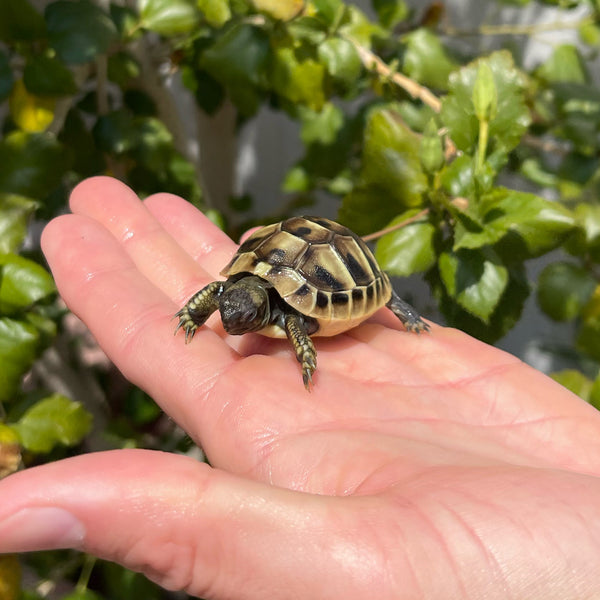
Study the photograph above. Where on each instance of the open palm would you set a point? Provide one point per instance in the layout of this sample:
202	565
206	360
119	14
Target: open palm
421	466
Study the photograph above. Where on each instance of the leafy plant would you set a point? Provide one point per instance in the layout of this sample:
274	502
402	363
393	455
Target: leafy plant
413	136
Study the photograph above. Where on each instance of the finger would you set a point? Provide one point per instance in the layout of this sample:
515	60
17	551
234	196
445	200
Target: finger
194	232
131	318
154	251
181	523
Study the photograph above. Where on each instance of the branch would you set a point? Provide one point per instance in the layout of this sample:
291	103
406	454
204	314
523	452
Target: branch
372	62
391	228
460	203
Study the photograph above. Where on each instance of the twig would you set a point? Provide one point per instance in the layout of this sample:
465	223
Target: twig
460	203
391	228
372	62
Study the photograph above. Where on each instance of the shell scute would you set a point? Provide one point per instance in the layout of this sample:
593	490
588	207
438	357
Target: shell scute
354	259
310	230
325	270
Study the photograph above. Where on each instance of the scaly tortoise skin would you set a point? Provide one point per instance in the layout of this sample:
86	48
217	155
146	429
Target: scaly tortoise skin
302	277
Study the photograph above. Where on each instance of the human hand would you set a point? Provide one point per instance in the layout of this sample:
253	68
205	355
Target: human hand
429	466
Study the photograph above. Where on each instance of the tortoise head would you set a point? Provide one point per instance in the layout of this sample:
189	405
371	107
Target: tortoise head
244	306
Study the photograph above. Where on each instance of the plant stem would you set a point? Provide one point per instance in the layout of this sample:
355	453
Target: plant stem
86	571
484	128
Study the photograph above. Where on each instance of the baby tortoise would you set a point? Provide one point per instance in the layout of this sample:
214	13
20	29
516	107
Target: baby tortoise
301	277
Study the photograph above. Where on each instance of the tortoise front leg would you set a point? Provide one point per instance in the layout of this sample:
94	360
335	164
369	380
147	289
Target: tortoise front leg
198	308
295	328
407	314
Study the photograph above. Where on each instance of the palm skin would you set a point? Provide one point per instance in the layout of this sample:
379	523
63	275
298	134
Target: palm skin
421	466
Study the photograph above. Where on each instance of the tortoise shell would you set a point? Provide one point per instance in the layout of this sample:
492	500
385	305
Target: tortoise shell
319	267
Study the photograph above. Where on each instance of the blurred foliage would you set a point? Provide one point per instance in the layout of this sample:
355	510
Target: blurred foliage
407	127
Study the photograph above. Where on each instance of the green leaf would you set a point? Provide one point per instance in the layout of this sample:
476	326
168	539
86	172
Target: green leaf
426	60
475	279
390	158
126	21
535	171
85	156
20	22
79	31
122	68
390	12
209	93
321	127
169	17
238	61
116	132
408	250
32	163
154	143
45	326
431	151
296	180
15	212
586	238
22	282
575	381
341	60
215	217
564	289
282	10
216	12
530	225
485	95
564	65
298	81
594	396
391	179
47	76
356	24
512	118
578	108
458	177
589	33
6	77
18	345
51	421
31	113
328	10
505	316
588	338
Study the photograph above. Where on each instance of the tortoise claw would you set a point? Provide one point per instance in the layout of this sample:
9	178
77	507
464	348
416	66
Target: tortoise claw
309	365
186	323
407	314
417	326
197	309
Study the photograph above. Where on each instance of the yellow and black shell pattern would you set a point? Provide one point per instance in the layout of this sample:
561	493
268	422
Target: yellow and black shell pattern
319	267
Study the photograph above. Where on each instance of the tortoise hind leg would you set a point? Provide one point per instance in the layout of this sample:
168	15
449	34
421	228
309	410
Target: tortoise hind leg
198	308
407	314
295	328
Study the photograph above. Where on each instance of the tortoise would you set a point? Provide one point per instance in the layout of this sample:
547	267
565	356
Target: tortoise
301	277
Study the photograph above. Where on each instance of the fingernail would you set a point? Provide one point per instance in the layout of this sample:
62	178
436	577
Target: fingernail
40	528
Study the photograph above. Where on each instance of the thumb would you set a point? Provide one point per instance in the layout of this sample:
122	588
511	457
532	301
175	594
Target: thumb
182	523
